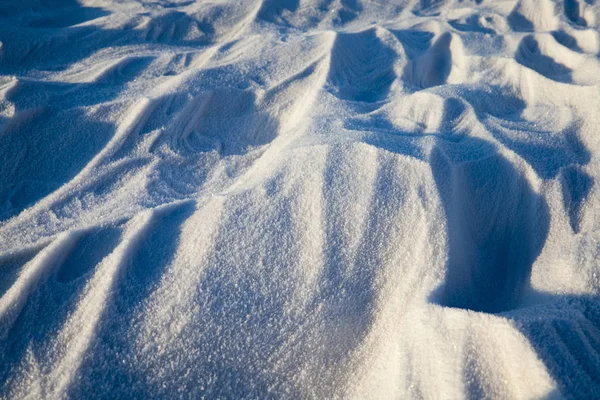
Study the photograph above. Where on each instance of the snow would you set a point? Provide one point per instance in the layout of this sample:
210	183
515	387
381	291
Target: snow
299	199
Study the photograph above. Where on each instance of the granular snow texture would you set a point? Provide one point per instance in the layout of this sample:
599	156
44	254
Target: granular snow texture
299	199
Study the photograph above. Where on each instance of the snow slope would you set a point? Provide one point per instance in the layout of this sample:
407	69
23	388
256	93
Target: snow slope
299	199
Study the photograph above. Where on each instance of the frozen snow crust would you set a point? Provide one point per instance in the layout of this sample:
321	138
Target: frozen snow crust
299	199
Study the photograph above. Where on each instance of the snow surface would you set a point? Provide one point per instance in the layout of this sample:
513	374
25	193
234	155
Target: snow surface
299	199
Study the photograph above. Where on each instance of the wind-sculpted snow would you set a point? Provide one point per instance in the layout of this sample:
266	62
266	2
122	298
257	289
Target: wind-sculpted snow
299	199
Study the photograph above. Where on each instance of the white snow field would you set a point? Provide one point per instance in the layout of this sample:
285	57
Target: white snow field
299	199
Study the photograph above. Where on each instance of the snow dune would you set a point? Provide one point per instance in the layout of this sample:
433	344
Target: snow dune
299	199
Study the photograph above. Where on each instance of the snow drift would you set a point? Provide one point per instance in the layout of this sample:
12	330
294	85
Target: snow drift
299	199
